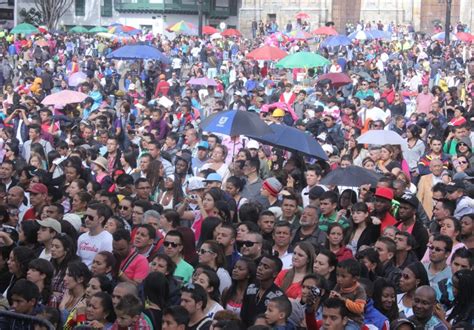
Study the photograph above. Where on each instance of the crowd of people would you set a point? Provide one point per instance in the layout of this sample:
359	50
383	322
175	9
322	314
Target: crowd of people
120	212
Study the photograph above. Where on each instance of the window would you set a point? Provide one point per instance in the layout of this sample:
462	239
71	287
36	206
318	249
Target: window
80	7
106	8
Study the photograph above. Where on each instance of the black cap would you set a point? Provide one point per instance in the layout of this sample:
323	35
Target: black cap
455	185
409	198
315	192
370	98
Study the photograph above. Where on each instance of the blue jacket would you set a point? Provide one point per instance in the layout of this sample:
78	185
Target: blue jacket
373	316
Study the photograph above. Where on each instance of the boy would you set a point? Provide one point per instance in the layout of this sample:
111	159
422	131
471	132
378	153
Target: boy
129	314
175	318
277	313
349	290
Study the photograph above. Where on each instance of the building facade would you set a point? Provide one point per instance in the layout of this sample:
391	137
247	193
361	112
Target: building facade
421	13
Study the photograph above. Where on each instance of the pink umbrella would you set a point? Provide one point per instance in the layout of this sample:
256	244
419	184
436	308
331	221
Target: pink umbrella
281	105
64	97
77	78
204	81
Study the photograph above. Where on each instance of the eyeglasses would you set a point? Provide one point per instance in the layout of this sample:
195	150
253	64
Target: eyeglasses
204	251
248	243
462	162
172	244
125	208
462	144
435	248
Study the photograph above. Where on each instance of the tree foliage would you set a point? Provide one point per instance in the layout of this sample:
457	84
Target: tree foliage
52	10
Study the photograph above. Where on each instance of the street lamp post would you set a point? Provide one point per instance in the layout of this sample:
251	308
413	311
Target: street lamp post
448	21
200	17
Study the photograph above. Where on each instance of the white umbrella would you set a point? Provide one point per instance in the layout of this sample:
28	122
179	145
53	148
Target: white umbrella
216	35
381	137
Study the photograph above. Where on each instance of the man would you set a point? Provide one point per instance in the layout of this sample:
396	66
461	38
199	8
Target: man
201	157
88	136
405	245
252	246
289	208
34	132
143	190
437	268
254	183
175	318
329	214
333	130
426	183
170	146
382	207
314	196
266	222
282	239
424	304
386	249
24	300
226	236
313	176
133	265
271	187
436	152
113	154
213	180
424	100
411	224
154	150
372	113
452	140
173	245
309	229
256	296
158	122
48	230
96	239
38	199
191	141
464	204
7	172
152	218
194	300
335	315
168	221
443	209
16	197
122	289
144	241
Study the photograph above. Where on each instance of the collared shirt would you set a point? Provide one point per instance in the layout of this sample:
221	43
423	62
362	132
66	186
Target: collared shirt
324	221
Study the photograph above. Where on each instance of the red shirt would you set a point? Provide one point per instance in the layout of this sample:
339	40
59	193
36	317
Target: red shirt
388	220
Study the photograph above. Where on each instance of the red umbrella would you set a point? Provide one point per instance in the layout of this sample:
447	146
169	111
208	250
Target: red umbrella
325	31
464	36
42	30
209	30
231	33
302	16
337	79
267	53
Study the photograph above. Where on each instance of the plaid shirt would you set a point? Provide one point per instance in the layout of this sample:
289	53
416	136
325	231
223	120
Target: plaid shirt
57	285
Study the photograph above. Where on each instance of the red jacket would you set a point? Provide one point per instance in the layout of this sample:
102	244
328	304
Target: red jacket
162	88
389	95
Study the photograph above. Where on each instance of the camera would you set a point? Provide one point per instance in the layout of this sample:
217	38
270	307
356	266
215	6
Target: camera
315	291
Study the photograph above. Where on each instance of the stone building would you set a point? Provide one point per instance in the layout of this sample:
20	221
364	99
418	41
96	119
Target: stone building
421	13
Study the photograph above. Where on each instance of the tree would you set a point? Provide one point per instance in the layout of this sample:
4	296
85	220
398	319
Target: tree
31	16
52	10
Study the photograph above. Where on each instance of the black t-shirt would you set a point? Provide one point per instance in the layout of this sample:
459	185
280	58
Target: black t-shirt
251	306
204	324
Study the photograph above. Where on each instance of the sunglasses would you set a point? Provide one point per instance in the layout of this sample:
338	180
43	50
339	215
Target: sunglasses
172	244
90	217
204	251
248	243
125	208
462	144
462	162
435	248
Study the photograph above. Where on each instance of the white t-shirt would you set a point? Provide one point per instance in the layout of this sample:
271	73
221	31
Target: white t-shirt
88	246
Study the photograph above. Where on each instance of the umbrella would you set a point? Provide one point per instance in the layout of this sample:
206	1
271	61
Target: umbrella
209	30
300	35
78	29
124	29
41	43
379	34
302	60
293	139
360	35
215	36
440	36
334	41
24	28
98	29
235	122
42	29
302	16
133	52
325	31
231	33
202	82
76	79
183	28
352	176
381	137
267	53
464	36
337	79
64	97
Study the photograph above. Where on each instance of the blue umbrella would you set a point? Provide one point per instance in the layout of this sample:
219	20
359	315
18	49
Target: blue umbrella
235	122
292	139
334	41
379	34
361	35
133	52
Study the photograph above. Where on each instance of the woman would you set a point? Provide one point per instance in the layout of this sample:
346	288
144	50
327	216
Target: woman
458	118
335	242
103	264
28	236
207	208
173	193
243	274
115	222
347	198
79	203
17	263
244	228
98	283
76	186
234	187
156	291
463	305
398	107
99	167
63	251
461	164
126	208
217	162
183	168
128	160
75	281
364	232
325	265
209	280
164	264
314	292
413	276
416	147
451	227
40	272
353	149
387	162
384	297
289	280
369	164
100	312
155	175
212	255
209	229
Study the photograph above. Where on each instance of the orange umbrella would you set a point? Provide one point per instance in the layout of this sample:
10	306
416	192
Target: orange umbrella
267	53
209	30
325	31
231	33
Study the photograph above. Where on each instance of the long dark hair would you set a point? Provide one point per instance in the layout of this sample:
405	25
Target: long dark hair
380	284
252	270
70	248
156	289
45	267
464	300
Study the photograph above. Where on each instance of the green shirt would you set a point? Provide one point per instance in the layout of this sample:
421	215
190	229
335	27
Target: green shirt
450	147
324	222
184	271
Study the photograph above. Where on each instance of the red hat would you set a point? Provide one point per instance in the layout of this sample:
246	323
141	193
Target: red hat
38	188
383	192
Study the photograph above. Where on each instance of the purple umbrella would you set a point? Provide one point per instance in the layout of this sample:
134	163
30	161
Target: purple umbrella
204	81
77	78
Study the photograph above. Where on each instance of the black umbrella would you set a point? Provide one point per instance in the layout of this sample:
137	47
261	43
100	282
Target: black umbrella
235	122
352	176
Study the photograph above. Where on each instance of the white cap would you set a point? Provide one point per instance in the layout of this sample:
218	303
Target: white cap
195	183
252	144
328	148
74	220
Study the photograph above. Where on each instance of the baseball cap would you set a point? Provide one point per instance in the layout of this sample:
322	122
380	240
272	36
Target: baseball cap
383	192
455	185
50	223
203	145
195	183
410	199
213	177
370	98
38	188
74	220
315	192
252	144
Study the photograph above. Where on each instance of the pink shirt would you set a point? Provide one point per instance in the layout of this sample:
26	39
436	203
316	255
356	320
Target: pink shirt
137	269
424	102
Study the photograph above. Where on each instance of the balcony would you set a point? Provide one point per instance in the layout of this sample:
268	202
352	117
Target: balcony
189	7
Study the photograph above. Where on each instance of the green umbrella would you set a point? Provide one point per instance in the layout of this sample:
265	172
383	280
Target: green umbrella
78	29
98	29
24	28
302	60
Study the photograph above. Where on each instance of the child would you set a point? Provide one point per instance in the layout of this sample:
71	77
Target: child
129	314
350	291
278	311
